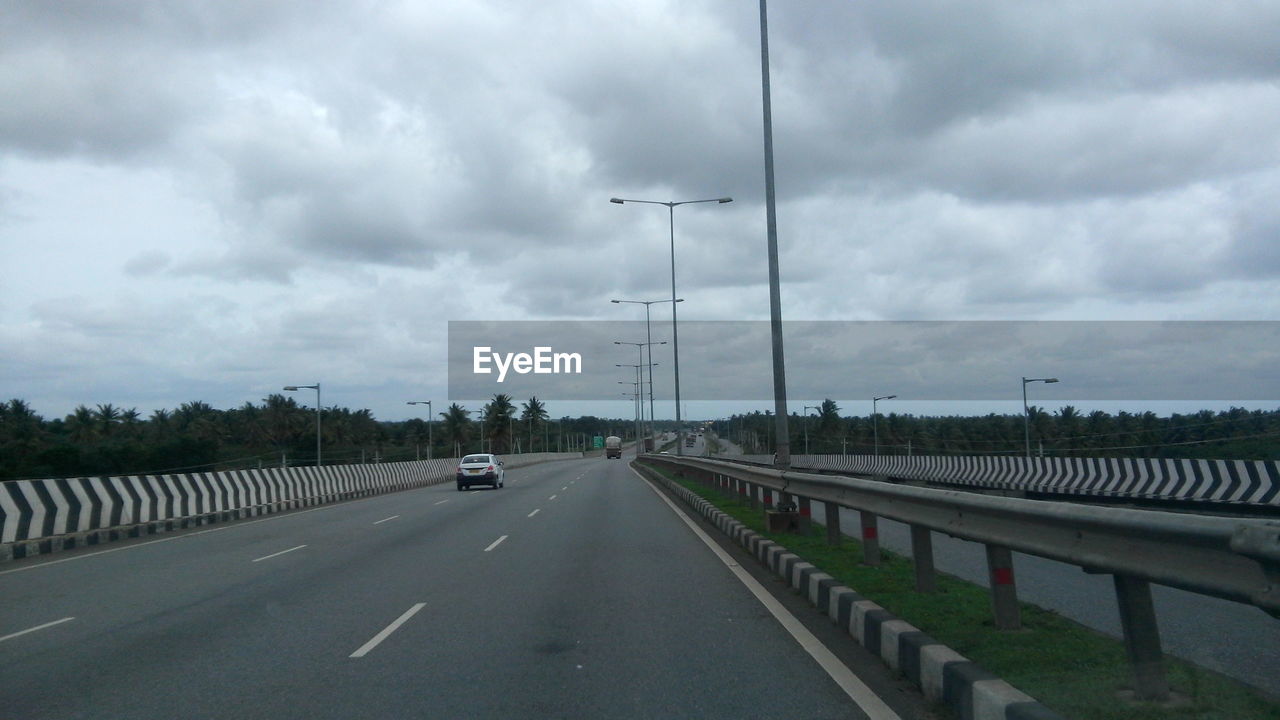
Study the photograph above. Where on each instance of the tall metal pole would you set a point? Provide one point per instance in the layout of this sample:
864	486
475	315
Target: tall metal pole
783	458
1026	425
675	335
648	338
430	415
1026	412
318	406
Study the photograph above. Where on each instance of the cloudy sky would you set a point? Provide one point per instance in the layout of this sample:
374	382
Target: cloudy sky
207	201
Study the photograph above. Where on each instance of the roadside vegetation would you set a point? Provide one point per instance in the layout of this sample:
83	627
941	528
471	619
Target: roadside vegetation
279	431
1236	434
1070	668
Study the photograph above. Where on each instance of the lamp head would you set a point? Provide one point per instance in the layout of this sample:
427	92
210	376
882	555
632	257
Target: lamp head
290	387
725	200
617	201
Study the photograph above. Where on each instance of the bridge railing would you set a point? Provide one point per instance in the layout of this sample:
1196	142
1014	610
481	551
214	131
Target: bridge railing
1235	559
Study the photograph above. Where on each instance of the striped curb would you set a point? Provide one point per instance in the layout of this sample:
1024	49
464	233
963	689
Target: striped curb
45	516
1232	482
943	675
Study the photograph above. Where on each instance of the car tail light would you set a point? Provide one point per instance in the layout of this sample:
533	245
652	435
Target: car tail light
489	469
459	468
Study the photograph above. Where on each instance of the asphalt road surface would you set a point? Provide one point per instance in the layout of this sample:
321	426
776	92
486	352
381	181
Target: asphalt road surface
573	592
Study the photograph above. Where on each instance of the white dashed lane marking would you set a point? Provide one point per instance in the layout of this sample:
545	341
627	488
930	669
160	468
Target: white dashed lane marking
10	636
268	557
376	639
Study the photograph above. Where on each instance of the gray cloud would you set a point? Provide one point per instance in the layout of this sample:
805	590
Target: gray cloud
342	179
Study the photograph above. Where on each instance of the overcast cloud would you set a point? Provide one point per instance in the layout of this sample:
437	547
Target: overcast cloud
212	200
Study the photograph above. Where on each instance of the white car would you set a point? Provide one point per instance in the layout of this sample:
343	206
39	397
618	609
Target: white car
483	469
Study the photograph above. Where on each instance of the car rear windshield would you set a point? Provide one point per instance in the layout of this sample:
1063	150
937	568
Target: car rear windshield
475	459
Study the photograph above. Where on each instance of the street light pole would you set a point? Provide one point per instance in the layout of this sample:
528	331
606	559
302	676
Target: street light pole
1026	423
875	426
783	458
640	347
430	422
649	337
316	387
675	335
807	408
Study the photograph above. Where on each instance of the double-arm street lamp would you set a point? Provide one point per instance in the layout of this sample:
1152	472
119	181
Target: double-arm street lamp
1026	422
640	347
430	422
875	426
648	332
675	337
316	387
639	391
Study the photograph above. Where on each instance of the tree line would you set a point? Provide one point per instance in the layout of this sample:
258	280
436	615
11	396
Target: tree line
1236	433
110	440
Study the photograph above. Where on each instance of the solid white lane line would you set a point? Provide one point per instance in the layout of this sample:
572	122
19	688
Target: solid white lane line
38	627
393	517
442	502
496	543
373	642
535	512
268	557
863	696
553	497
566	487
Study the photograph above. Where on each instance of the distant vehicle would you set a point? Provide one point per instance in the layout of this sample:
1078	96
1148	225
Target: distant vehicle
482	469
613	447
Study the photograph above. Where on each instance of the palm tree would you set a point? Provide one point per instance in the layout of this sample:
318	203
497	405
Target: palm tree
498	416
829	424
83	424
107	416
457	425
535	413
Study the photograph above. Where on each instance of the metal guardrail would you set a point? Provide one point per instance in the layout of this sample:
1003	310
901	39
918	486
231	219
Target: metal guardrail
1247	483
1235	559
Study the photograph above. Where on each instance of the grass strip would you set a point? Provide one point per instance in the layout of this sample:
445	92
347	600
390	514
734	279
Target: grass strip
1073	669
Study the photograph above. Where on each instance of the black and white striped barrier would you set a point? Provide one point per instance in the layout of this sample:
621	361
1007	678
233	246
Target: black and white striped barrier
1242	482
942	674
41	516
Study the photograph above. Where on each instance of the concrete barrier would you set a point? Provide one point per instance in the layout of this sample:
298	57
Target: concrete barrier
42	516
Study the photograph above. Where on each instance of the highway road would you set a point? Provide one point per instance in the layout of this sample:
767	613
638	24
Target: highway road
576	591
1231	638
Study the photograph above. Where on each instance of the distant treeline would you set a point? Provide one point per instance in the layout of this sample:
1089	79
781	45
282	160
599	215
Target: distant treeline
109	440
1231	434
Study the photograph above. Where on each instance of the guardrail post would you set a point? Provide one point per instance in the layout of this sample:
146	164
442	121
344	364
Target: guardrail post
751	495
806	514
1004	593
1141	638
767	496
870	538
922	558
832	512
